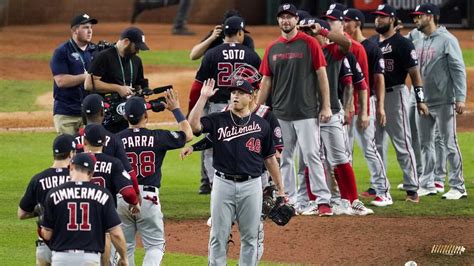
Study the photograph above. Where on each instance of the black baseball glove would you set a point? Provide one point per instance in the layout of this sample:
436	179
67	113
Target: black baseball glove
268	201
281	213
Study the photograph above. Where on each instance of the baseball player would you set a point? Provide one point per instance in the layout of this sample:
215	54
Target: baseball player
93	113
146	150
332	134
443	72
292	68
379	184
77	215
32	203
242	142
219	63
400	59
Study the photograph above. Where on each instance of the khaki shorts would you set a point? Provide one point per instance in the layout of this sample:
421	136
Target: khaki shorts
65	124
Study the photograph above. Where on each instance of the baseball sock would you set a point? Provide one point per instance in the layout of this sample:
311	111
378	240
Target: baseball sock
346	180
311	196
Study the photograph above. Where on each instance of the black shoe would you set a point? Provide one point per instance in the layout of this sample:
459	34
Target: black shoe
183	32
205	189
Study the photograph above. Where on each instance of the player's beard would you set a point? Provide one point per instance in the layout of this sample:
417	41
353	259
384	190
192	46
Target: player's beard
421	27
381	29
287	30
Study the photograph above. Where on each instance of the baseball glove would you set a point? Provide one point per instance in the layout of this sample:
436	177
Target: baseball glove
268	201
281	213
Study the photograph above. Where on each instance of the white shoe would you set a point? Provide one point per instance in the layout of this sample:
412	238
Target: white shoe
439	187
382	201
359	209
426	191
454	194
209	222
343	207
311	209
300	208
400	187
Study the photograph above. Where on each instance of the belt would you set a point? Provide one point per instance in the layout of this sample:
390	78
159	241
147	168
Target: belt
391	89
236	178
79	251
149	188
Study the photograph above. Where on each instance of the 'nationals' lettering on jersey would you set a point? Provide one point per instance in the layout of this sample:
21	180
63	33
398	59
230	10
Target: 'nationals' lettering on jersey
228	134
53	181
138	141
79	193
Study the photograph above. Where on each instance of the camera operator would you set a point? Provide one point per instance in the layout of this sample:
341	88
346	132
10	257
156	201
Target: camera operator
117	73
69	64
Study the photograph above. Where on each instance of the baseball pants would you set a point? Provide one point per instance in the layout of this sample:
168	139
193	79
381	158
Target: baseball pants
415	140
149	223
366	140
306	134
207	171
240	200
76	258
43	254
444	117
398	128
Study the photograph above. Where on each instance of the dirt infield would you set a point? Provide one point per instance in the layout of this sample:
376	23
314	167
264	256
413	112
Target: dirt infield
336	240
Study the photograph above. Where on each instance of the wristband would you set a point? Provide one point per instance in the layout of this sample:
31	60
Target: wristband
178	115
419	95
323	32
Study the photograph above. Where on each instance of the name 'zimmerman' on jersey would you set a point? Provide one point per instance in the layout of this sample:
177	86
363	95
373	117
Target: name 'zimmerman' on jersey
239	150
219	63
146	150
87	205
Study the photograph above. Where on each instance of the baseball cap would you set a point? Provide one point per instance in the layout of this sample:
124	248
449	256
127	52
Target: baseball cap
233	24
385	10
426	9
324	24
306	22
135	107
82	19
333	14
338	6
303	14
85	159
354	14
92	104
243	85
287	8
136	36
94	134
63	144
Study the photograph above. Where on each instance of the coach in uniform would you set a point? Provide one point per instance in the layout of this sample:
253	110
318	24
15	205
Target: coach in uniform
146	150
32	203
118	71
77	216
69	65
444	75
400	59
242	142
293	66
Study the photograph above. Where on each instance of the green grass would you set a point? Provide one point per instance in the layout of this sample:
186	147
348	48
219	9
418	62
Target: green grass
20	95
24	154
468	55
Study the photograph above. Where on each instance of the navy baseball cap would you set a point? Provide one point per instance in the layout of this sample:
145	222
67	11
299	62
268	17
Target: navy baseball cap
82	19
136	36
94	134
354	14
85	159
63	144
243	85
303	14
426	9
135	107
92	104
324	24
333	14
385	10
338	6
233	24
307	22
287	8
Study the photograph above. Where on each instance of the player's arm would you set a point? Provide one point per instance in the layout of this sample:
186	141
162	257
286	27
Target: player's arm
93	83
457	71
341	40
118	239
265	89
274	169
325	113
195	115
379	84
66	80
417	82
22	214
46	233
61	75
199	49
172	104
